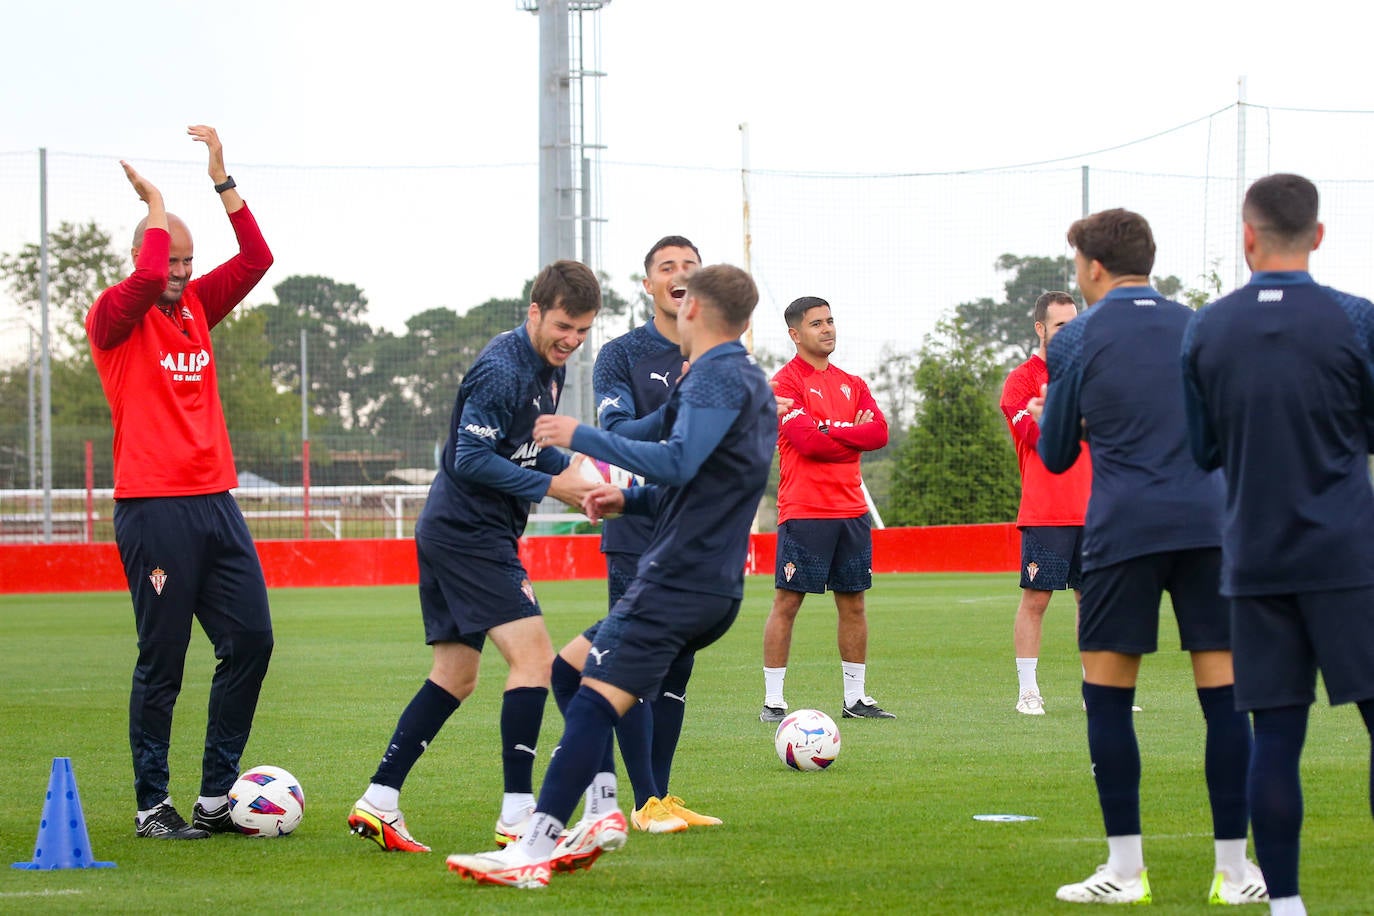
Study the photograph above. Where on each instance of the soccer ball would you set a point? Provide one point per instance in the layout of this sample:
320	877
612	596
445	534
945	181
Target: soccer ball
266	801
807	740
594	470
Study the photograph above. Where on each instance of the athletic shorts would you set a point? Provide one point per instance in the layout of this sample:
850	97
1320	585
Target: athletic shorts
819	553
462	596
620	572
190	557
1119	611
650	629
1280	641
1052	557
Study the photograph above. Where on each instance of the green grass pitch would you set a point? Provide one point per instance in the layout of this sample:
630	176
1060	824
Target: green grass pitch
888	829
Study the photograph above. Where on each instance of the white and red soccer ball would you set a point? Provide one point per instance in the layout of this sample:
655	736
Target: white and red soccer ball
807	740
266	801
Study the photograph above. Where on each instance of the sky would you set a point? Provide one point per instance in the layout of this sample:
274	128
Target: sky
393	145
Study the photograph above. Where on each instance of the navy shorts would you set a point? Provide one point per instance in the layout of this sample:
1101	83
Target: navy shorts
650	629
1052	557
1281	640
1119	611
819	553
620	572
462	596
190	556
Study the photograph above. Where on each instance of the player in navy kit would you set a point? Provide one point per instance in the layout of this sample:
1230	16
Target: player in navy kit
710	466
1280	396
472	583
633	376
1153	524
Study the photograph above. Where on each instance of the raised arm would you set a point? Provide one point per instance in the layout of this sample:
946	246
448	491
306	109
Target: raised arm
118	309
223	288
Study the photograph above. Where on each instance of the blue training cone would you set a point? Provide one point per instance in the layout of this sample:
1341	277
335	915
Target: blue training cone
62	838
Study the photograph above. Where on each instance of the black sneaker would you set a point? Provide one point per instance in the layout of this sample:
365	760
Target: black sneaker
865	708
165	824
772	714
216	821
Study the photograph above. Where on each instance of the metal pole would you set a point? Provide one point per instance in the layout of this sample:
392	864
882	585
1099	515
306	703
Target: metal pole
33	415
1241	267
748	232
46	342
1085	190
305	440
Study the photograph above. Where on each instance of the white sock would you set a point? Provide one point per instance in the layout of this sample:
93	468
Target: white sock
601	796
772	686
144	814
383	798
1287	906
1231	858
1025	675
212	802
853	676
1124	856
537	845
515	805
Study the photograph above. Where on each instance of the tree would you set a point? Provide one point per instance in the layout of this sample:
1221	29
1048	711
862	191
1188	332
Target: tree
1008	326
957	465
340	345
81	263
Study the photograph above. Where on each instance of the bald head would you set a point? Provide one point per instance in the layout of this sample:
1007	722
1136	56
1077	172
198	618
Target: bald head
179	254
175	227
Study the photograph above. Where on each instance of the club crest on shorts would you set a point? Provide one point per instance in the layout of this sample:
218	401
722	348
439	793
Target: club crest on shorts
528	590
789	569
1031	569
159	578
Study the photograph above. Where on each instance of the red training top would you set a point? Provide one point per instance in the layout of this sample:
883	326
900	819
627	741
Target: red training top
818	444
158	371
1048	500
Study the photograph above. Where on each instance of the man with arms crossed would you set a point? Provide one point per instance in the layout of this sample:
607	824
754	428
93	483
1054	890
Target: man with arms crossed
709	466
1153	524
1280	396
182	539
1052	505
633	377
472	583
824	533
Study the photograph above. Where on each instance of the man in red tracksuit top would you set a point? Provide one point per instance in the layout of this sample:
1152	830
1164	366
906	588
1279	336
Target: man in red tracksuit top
1052	505
184	544
824	532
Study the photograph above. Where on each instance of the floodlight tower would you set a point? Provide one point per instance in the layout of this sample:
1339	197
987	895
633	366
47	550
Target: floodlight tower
570	153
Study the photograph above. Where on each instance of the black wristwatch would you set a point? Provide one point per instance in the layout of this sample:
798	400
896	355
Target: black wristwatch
226	185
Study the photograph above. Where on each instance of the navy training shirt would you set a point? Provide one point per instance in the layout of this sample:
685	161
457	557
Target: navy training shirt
491	468
1115	366
710	471
1280	395
632	378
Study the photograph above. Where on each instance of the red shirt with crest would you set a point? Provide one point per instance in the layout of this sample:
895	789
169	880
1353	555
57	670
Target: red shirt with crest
158	369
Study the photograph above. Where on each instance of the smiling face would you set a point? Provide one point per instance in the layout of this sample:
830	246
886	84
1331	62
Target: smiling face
556	335
666	279
815	335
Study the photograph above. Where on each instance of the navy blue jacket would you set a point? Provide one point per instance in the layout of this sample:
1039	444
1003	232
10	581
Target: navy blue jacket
1280	395
1115	369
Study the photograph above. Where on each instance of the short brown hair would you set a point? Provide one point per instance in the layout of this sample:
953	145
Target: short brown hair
1119	239
1053	297
728	291
569	285
797	310
1284	208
